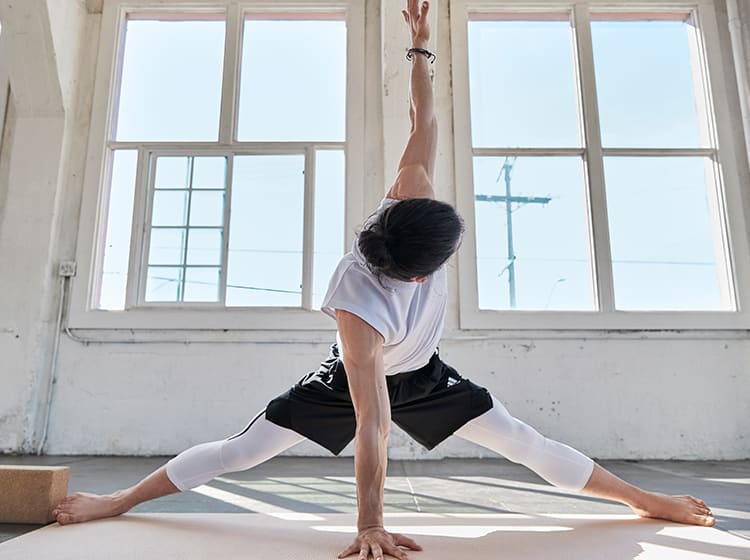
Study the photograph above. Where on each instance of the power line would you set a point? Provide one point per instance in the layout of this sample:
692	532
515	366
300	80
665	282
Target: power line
509	199
204	283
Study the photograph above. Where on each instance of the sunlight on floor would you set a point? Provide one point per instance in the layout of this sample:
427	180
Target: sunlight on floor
729	480
508	483
256	506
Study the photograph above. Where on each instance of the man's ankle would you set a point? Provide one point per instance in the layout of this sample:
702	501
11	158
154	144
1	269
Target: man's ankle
640	500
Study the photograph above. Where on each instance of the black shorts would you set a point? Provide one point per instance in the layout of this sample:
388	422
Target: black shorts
429	404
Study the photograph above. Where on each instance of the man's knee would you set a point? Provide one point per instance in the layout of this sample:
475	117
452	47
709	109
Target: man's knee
235	457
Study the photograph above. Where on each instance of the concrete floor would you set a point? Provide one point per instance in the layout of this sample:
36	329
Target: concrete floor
326	485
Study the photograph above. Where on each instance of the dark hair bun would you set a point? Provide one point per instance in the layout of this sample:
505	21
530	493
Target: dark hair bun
374	247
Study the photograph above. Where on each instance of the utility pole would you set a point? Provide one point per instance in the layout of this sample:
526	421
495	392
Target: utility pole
509	199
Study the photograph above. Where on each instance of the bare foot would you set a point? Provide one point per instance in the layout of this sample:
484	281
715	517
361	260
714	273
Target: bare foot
681	509
81	507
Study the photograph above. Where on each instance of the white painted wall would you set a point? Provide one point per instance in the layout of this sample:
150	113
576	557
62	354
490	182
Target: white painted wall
612	397
736	45
623	395
43	147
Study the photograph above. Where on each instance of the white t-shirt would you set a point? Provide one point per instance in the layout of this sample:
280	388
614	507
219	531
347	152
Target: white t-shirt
409	315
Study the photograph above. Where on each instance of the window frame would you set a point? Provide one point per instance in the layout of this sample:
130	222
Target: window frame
726	147
142	227
84	313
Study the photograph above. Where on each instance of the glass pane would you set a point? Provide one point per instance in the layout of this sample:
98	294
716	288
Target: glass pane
646	78
205	246
167	246
207	208
172	173
522	80
265	238
209	172
663	233
119	221
171	80
532	234
202	284
293	80
260	289
163	284
329	219
170	208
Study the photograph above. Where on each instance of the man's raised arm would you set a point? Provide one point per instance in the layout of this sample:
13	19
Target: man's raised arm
416	170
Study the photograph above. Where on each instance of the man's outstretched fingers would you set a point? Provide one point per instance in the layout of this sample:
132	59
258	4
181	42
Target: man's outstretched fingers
403	540
351	549
394	551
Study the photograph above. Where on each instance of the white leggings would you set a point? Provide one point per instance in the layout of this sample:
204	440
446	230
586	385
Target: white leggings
258	442
555	462
496	429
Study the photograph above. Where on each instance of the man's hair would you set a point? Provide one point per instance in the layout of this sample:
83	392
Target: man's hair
411	238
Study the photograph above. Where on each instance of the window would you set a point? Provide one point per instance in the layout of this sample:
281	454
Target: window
222	186
599	189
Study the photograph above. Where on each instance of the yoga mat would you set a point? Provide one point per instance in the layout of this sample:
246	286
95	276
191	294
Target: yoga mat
292	536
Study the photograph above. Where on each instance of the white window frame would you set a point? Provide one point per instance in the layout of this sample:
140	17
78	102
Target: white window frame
84	313
144	194
728	188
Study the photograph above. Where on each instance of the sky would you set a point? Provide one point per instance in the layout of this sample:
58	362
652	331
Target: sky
523	94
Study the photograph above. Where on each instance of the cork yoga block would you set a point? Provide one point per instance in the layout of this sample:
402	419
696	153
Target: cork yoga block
29	494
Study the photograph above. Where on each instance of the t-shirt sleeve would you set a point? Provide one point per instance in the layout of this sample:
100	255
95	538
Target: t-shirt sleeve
352	290
355	289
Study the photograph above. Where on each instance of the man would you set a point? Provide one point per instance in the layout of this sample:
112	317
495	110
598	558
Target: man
388	297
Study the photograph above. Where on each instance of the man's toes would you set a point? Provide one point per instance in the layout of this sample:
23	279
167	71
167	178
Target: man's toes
64	518
701	504
707	520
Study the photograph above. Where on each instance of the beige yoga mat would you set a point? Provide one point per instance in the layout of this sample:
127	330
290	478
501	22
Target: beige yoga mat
250	536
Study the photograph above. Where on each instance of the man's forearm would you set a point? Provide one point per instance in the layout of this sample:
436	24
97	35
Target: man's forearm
420	91
370	462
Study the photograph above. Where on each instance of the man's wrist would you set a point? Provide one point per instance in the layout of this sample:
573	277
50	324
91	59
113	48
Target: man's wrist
374	522
418	52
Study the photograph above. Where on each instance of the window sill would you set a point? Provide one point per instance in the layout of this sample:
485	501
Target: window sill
618	321
206	320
